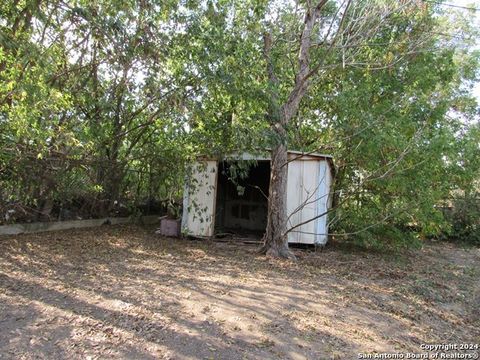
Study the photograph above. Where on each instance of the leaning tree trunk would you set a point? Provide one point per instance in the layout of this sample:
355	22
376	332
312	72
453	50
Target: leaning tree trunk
275	239
275	242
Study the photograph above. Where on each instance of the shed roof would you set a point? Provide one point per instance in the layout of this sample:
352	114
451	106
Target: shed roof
265	155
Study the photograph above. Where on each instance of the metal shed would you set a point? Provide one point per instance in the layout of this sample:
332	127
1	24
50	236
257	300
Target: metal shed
213	203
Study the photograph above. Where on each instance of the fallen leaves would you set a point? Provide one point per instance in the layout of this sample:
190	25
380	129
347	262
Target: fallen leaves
122	292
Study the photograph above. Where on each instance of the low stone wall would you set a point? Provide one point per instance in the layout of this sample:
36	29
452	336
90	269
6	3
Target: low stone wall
25	228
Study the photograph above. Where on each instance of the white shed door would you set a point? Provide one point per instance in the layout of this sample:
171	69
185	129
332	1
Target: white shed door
307	197
199	199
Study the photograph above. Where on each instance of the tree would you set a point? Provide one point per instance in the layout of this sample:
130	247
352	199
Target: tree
92	104
399	136
105	102
330	37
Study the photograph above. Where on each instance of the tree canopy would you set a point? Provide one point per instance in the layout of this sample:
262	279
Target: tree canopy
104	103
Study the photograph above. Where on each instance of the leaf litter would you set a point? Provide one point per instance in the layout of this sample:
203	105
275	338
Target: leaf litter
123	292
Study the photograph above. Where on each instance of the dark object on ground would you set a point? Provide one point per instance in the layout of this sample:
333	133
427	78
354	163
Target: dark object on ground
169	227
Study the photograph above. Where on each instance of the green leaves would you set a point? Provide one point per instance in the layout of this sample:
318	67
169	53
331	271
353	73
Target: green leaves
108	100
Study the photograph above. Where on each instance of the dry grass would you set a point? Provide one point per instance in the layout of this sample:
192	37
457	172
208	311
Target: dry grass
123	292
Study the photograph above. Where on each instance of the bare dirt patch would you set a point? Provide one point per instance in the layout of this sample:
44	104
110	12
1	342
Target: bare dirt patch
124	292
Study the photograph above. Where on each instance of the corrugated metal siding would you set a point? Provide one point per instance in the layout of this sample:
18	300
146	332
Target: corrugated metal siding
324	180
307	196
199	200
294	186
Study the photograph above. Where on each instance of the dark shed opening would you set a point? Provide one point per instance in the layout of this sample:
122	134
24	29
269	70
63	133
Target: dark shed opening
241	203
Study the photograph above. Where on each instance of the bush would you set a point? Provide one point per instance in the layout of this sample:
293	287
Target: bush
464	217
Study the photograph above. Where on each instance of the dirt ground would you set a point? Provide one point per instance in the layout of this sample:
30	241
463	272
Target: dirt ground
124	292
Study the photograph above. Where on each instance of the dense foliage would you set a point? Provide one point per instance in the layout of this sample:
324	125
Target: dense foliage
103	103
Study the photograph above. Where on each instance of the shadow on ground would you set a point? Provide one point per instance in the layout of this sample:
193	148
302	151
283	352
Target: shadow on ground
123	292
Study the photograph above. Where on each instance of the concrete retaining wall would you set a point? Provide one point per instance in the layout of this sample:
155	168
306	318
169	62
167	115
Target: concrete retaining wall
26	228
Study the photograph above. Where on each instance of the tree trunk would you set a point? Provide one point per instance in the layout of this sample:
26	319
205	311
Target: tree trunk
275	240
